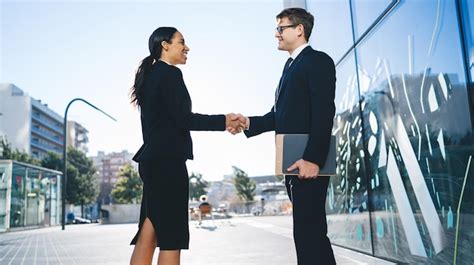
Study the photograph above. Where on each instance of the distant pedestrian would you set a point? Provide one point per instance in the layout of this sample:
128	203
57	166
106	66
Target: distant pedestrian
204	208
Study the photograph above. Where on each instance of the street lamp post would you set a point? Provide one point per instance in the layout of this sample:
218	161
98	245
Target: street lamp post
64	179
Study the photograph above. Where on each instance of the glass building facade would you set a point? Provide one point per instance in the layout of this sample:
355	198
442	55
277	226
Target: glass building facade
29	196
404	189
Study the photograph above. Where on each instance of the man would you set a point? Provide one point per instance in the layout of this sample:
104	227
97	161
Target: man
304	103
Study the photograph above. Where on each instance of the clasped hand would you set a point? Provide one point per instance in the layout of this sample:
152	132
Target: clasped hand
235	123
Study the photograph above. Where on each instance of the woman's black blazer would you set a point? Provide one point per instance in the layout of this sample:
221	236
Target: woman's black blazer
166	116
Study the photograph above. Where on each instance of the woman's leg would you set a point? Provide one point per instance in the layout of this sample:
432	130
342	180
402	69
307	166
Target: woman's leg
169	257
145	246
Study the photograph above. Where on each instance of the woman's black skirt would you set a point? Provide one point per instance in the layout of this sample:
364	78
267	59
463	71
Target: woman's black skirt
165	202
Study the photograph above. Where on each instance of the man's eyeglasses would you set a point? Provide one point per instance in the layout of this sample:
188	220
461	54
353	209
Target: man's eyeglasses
280	29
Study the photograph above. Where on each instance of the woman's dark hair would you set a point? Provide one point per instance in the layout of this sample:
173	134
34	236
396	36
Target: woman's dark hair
154	45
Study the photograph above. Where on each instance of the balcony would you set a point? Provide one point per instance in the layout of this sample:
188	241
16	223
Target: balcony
46	135
50	125
44	148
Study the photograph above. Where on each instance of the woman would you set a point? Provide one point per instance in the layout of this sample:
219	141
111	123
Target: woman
165	105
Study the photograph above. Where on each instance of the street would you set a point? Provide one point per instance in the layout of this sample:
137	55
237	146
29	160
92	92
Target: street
242	240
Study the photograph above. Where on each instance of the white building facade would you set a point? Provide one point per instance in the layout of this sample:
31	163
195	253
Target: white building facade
31	126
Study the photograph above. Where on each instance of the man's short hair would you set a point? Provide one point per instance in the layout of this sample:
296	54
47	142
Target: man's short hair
299	16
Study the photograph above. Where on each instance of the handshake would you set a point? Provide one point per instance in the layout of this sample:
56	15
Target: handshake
235	123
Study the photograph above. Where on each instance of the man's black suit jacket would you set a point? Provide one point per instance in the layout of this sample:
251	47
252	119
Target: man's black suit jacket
166	116
305	104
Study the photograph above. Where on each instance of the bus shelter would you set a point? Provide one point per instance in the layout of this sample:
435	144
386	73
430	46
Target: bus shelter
30	196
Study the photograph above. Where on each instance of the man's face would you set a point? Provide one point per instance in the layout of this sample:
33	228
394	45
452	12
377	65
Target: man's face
287	36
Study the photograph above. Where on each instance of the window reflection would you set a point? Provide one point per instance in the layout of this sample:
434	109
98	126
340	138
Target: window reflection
467	8
366	13
332	38
347	202
412	128
412	80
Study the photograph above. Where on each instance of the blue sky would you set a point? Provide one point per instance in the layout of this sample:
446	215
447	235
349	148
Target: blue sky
59	50
56	51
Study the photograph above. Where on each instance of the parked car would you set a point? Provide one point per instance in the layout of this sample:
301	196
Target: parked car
79	220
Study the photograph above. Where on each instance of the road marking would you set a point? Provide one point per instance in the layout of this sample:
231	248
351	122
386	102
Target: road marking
11	248
27	249
36	249
45	250
18	250
61	244
288	233
55	250
278	230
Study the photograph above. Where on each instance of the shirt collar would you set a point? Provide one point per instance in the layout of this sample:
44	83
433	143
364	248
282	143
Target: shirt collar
298	50
165	62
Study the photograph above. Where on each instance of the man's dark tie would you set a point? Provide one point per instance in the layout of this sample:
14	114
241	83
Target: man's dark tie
282	79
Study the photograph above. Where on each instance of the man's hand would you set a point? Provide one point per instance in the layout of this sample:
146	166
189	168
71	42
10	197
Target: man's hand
307	170
236	122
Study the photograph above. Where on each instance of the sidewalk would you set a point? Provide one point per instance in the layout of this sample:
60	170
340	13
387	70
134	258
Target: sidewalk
246	241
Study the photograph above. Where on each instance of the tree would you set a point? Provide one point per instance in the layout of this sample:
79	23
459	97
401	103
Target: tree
244	185
129	187
6	152
5	149
197	186
82	188
52	161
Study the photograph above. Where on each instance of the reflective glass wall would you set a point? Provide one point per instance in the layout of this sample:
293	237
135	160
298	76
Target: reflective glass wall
404	188
4	194
29	196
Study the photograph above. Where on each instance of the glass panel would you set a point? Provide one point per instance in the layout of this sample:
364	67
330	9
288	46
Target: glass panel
333	39
3	176
45	184
18	196
55	199
33	199
4	181
366	12
3	208
419	135
38	201
467	8
347	205
3	195
2	222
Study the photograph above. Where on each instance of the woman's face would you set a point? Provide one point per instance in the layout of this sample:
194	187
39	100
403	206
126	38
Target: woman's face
176	51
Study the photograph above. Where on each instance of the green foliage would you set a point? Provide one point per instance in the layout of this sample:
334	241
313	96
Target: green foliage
6	152
197	186
5	149
129	187
82	186
53	161
244	185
